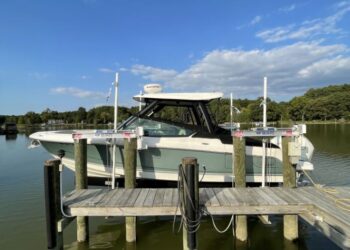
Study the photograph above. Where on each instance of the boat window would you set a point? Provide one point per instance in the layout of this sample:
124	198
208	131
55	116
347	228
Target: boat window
157	128
182	115
212	115
201	118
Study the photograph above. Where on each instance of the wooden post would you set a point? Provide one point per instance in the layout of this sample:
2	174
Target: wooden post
190	193
53	203
241	230
290	222
81	182
130	154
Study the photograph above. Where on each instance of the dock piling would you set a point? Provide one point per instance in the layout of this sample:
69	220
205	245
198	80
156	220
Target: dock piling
81	182
239	171
52	203
290	222
130	155
189	168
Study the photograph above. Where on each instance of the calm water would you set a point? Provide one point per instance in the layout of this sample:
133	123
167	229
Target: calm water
22	220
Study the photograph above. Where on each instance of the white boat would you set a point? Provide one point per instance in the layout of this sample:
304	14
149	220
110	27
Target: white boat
176	125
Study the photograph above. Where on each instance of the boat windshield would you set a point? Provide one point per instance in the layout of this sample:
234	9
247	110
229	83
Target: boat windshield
157	128
176	118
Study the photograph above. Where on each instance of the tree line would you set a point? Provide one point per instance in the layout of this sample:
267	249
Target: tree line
328	103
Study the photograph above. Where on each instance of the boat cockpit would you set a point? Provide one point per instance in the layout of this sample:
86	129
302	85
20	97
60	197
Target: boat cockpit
173	118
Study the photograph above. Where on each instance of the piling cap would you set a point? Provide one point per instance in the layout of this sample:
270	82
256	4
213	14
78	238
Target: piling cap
52	162
189	161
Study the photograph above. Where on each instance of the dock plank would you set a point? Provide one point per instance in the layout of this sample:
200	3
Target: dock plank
221	197
236	196
328	203
99	197
279	191
150	197
262	192
212	197
203	198
312	204
142	197
175	199
124	197
133	197
216	200
73	197
230	197
117	197
243	196
158	199
255	196
168	197
108	198
272	195
86	197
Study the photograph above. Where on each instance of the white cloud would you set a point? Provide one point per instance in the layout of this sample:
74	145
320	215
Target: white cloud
337	67
76	92
342	4
106	70
84	77
152	73
288	8
290	70
123	69
255	20
307	29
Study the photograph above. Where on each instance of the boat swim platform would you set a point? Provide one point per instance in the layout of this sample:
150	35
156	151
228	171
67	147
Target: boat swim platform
321	210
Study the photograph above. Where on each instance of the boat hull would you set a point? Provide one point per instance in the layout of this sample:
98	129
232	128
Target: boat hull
162	163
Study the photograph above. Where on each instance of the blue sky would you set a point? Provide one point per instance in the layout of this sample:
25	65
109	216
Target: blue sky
63	54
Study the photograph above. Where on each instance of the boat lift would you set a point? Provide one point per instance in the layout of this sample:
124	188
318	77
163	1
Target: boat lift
114	134
111	136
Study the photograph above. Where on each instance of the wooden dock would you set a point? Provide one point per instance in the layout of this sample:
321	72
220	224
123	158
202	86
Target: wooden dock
310	203
327	209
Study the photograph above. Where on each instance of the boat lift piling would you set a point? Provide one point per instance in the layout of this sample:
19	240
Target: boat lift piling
116	85
290	221
52	204
240	230
130	156
81	182
190	197
263	162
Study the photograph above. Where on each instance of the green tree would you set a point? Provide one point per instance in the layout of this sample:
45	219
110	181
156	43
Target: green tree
32	118
21	120
80	115
298	107
2	119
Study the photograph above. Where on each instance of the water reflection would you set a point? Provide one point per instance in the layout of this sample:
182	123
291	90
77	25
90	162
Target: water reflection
332	139
10	137
157	235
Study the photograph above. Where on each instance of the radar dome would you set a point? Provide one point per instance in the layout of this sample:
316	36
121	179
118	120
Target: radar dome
152	88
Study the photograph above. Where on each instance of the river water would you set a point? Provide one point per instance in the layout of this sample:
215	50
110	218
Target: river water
22	218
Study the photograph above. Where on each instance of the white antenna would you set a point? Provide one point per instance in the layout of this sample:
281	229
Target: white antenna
263	161
116	83
264	102
231	110
140	104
